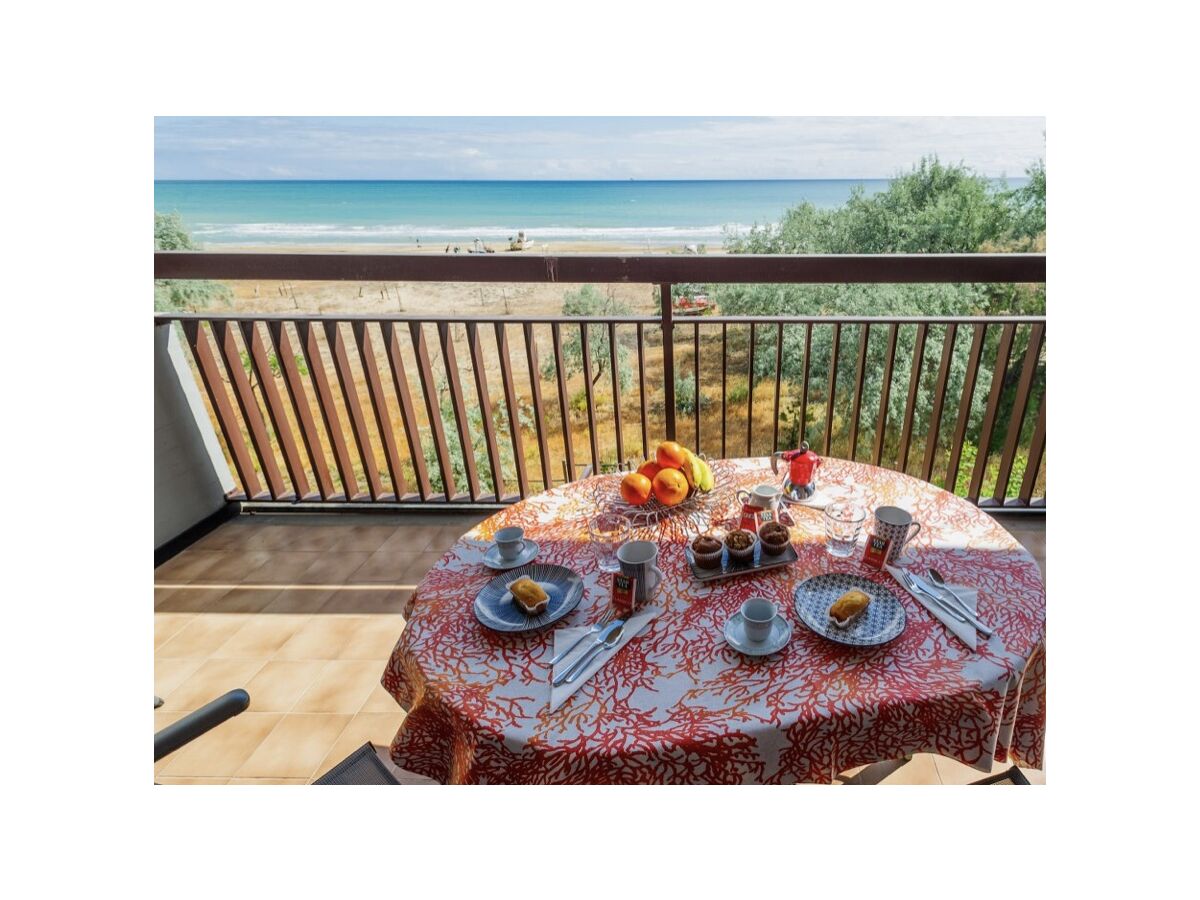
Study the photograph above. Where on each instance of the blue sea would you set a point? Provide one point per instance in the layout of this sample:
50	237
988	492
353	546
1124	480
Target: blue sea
439	212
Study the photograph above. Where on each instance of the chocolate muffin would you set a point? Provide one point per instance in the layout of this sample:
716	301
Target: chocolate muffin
707	551
774	537
741	545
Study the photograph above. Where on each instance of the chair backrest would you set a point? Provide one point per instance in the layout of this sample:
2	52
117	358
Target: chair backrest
363	766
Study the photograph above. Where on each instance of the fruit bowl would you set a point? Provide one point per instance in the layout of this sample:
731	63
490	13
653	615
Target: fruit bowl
676	482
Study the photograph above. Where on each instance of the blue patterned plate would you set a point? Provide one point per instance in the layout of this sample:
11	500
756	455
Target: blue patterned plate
883	620
496	609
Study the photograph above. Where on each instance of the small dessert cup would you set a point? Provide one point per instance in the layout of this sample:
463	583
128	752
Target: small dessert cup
707	559
741	554
775	538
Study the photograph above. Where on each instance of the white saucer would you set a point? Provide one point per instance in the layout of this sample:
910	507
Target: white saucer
493	560
735	636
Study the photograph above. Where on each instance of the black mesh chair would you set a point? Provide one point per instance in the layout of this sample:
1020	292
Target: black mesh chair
363	766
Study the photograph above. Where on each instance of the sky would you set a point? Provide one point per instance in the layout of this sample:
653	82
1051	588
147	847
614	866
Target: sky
554	148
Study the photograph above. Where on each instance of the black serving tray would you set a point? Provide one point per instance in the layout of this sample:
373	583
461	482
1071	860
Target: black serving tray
762	562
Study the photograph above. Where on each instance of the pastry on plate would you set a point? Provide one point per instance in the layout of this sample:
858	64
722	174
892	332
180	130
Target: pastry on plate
848	607
529	596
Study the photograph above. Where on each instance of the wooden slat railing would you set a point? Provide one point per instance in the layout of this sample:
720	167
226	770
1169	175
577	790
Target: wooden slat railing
988	447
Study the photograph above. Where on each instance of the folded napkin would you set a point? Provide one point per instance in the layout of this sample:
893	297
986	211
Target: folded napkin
565	637
964	631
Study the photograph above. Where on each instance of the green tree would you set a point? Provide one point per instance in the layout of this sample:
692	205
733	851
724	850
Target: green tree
933	208
176	296
588	301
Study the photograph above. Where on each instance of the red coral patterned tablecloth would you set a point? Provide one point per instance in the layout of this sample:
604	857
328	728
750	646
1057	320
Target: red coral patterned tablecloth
679	705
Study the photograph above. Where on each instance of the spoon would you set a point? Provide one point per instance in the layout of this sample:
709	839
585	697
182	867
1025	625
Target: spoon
936	577
609	639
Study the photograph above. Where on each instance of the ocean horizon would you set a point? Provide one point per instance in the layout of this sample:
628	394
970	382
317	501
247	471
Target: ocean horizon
439	212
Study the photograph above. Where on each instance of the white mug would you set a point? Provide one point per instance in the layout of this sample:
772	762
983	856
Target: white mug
511	541
758	613
637	561
896	525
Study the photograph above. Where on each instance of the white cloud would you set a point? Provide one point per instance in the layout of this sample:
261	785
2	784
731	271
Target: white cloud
589	148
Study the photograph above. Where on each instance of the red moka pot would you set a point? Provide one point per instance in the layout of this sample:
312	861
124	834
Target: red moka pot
801	480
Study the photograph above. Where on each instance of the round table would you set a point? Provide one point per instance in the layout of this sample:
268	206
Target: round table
677	704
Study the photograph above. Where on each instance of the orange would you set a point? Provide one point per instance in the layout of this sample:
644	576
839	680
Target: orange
635	488
671	455
670	487
649	468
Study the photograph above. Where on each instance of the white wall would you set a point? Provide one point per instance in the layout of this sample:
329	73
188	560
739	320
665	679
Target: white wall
191	476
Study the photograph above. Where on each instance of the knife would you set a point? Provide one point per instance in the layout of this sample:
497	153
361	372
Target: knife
959	606
613	629
910	582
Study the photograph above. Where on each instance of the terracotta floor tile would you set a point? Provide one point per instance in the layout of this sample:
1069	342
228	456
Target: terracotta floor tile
383	566
188	598
332	567
245	599
299	781
167	625
171	673
364	537
232	567
221	752
282	567
366	601
374	638
321	637
920	771
281	682
380	701
315	538
213	678
201	636
261	637
341	687
189	564
295	747
298	600
231	535
378	728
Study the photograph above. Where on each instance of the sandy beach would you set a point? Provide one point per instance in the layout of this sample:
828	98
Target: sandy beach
428	298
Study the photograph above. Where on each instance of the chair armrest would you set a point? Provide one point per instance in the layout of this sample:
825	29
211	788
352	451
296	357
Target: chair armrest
197	723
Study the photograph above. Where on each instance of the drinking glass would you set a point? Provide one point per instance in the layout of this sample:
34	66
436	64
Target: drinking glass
607	532
843	524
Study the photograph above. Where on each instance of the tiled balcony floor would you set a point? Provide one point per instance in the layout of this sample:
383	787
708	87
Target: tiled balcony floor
303	612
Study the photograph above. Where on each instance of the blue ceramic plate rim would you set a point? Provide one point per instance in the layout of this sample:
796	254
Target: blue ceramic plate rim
813	609
495	594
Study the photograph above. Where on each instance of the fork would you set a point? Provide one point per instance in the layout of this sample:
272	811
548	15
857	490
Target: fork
595	629
906	580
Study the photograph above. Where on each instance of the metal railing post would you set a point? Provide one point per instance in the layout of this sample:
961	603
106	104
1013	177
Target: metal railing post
668	341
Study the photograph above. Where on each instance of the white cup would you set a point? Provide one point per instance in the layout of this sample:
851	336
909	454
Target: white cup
758	613
511	541
637	561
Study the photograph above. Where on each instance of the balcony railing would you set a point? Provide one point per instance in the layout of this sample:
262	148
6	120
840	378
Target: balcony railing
402	408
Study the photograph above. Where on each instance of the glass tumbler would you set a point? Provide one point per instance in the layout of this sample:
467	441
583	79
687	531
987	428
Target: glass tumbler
606	533
843	524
